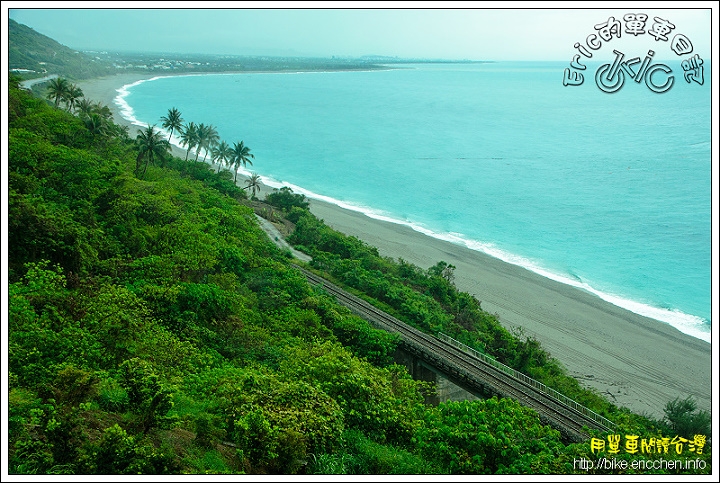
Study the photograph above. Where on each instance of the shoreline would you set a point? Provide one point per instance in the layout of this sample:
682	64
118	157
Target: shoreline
667	316
635	361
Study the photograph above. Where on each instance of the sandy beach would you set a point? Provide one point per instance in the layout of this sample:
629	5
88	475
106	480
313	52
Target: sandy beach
635	361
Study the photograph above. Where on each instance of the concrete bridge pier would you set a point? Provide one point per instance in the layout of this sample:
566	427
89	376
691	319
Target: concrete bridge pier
445	389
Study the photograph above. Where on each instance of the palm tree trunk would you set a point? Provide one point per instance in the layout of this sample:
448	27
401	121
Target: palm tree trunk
147	161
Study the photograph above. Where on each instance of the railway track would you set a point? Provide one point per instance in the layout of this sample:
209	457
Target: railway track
468	371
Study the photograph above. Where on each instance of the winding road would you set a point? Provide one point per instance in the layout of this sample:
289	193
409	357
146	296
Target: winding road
27	84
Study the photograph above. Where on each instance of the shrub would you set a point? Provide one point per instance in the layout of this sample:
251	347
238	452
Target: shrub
285	199
683	418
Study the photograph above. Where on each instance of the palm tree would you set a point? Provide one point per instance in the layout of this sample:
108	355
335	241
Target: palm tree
58	89
211	139
207	138
96	116
201	139
189	138
253	183
85	107
73	95
241	155
151	144
96	124
120	130
103	110
172	121
221	154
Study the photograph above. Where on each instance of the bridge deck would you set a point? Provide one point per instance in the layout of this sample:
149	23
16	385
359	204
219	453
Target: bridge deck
473	373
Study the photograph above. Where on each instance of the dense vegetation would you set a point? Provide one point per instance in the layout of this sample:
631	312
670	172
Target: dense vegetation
155	329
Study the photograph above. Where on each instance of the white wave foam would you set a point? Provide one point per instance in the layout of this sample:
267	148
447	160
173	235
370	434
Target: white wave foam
688	324
126	111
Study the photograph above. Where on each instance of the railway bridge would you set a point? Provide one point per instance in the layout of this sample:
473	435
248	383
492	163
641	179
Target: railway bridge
473	371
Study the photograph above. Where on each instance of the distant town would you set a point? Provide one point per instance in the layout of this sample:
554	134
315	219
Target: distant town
210	62
114	62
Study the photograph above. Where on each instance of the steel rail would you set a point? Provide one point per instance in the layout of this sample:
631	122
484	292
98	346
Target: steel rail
471	372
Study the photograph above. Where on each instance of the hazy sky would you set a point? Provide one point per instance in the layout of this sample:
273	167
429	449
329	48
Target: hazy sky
353	28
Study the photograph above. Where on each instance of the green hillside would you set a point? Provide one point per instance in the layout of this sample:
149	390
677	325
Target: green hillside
154	328
33	51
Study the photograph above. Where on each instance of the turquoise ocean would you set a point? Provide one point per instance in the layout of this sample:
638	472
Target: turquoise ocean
610	193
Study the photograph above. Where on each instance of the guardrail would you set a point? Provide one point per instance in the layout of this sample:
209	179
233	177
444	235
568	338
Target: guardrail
539	386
